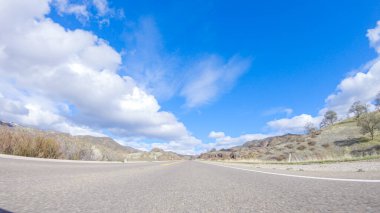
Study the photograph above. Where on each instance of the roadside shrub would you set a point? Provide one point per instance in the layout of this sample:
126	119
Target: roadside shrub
32	143
268	152
311	143
289	146
302	147
325	145
46	148
279	158
6	142
25	144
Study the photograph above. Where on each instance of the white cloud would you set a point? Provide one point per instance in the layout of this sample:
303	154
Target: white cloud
135	142
36	111
295	124
102	7
210	77
278	110
67	80
223	141
199	81
25	10
185	145
374	37
83	11
79	10
147	62
216	135
104	12
362	86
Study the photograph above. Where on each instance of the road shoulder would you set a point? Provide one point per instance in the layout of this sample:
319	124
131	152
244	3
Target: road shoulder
299	170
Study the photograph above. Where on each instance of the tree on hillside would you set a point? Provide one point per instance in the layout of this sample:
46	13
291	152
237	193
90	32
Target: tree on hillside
377	101
311	129
357	108
329	118
369	123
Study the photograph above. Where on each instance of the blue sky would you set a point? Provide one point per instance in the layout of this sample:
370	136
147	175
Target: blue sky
223	72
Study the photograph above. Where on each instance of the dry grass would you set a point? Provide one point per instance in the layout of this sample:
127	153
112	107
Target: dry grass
301	147
289	146
32	143
279	158
24	144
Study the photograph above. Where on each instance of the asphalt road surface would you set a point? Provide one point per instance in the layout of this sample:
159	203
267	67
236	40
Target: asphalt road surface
184	186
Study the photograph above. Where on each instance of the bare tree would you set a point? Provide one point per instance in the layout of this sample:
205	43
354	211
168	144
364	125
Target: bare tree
311	129
357	108
377	101
330	118
369	123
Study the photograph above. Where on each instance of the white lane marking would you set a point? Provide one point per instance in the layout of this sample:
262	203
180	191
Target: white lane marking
299	176
16	157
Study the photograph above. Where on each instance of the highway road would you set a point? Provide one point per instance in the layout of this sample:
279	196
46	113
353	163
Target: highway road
184	186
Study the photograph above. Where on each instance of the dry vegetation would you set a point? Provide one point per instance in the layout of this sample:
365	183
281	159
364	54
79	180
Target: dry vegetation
24	144
34	143
30	142
337	142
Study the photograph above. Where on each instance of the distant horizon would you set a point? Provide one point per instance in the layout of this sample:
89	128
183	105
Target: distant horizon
185	77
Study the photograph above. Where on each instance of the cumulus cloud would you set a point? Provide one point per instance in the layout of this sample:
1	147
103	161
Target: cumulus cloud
374	37
165	74
68	80
216	135
363	85
295	124
225	141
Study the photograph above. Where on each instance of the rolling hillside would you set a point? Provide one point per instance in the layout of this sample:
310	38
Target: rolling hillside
342	140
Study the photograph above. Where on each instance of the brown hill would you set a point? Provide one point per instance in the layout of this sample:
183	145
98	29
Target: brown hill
32	142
